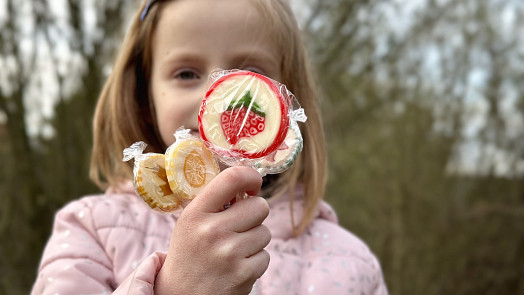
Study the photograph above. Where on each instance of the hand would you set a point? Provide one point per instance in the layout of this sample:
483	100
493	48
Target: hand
217	251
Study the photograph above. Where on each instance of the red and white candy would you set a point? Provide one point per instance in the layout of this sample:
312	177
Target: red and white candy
247	119
244	113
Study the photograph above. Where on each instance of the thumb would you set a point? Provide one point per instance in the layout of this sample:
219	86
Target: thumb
225	187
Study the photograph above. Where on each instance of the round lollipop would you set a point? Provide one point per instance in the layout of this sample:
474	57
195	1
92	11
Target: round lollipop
151	184
249	119
189	166
244	115
150	179
170	182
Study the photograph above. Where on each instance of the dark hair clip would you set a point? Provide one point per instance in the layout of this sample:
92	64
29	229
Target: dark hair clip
146	9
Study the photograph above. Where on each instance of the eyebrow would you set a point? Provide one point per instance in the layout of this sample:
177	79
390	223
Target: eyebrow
181	56
257	57
167	61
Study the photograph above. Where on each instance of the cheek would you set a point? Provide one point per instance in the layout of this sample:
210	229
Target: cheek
163	107
163	122
175	108
166	117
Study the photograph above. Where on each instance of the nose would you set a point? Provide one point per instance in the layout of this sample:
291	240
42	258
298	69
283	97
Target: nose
196	101
201	90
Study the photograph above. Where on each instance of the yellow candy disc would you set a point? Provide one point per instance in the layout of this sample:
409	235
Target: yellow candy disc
189	167
152	185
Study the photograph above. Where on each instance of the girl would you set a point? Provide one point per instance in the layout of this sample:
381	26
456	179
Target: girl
116	243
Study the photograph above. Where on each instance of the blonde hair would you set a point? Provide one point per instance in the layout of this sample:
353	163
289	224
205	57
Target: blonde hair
125	114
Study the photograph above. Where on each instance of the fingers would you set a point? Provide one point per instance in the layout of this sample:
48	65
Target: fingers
249	271
252	266
247	213
253	246
224	246
226	186
244	245
261	259
258	264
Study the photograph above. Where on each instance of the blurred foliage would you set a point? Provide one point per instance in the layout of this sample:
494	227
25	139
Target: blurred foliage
44	53
424	114
413	95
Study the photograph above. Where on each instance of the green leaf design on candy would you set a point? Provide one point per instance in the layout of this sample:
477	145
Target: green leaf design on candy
247	102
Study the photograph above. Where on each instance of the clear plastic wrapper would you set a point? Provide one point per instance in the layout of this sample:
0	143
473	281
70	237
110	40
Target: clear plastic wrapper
245	119
248	119
285	156
169	182
190	166
150	179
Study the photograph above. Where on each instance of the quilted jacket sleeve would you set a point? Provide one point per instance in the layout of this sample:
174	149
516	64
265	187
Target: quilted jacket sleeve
75	261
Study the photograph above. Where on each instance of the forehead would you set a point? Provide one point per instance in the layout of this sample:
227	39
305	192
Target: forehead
188	16
213	27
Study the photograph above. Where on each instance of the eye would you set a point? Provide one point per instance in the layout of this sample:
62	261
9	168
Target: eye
186	75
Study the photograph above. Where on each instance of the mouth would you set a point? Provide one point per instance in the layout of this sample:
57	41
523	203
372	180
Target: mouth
195	133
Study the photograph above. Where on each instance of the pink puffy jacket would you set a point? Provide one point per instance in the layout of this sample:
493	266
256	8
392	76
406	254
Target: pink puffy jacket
114	243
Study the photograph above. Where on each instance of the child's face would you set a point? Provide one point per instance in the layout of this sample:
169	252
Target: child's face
195	37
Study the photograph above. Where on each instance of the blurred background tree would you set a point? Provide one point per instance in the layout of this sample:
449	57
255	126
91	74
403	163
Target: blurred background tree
425	133
424	120
53	56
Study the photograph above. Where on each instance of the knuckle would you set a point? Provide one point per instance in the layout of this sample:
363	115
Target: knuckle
208	232
209	229
232	175
226	252
187	217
